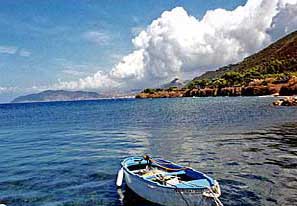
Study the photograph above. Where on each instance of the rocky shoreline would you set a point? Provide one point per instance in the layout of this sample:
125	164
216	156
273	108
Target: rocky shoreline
255	88
287	101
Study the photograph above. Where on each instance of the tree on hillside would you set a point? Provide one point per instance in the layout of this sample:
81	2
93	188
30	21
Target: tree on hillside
233	78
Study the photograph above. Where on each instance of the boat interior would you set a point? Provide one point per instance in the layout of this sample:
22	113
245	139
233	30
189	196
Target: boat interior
169	174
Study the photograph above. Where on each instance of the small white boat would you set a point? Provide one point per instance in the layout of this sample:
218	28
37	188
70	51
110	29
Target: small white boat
165	183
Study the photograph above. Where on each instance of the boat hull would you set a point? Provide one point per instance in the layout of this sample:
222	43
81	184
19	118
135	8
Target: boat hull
166	196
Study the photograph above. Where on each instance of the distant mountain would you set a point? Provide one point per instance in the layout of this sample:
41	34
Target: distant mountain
278	57
174	83
57	95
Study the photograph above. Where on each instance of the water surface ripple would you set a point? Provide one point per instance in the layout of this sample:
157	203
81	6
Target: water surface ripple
68	153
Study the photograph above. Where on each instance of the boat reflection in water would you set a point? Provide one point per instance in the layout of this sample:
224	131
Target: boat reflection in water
129	198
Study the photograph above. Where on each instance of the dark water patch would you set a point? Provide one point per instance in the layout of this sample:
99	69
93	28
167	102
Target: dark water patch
15	183
272	200
98	176
283	164
253	149
31	198
232	163
255	177
233	183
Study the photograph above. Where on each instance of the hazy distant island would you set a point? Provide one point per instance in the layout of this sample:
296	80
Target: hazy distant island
57	95
273	70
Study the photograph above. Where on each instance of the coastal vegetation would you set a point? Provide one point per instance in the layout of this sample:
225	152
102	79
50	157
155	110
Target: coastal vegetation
270	71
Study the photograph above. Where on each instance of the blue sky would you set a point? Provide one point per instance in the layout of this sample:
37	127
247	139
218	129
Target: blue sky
44	42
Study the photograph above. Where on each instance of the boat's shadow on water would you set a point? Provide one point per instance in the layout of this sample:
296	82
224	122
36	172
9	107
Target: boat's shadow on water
129	198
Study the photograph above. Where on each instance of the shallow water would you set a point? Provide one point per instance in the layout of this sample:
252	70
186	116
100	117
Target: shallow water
68	153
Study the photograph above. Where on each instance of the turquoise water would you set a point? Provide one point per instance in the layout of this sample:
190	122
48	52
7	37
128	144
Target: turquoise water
68	153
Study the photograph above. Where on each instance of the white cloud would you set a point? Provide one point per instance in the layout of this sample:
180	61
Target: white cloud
97	37
8	49
115	56
130	67
98	80
7	89
24	53
177	43
74	72
285	21
14	50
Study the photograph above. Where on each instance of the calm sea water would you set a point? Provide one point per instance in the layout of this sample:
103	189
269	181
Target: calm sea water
68	153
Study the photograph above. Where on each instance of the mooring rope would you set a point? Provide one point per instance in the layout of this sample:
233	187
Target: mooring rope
179	192
216	199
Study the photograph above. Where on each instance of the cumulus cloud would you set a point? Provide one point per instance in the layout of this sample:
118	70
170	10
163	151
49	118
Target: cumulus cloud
178	43
285	21
98	80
